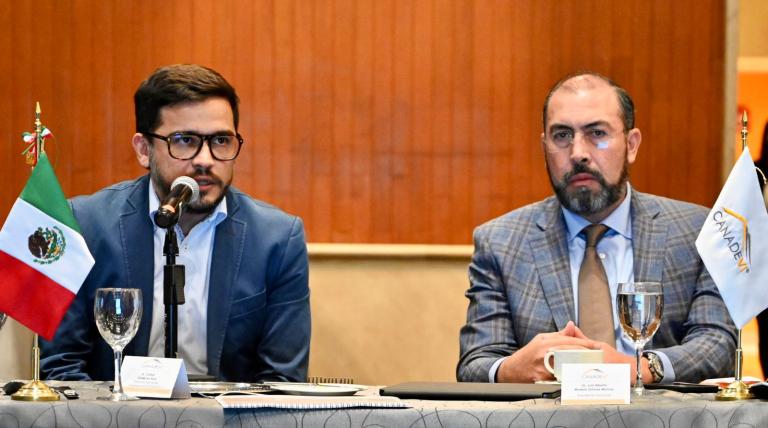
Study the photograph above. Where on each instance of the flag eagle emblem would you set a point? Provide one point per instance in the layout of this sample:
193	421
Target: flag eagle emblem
47	245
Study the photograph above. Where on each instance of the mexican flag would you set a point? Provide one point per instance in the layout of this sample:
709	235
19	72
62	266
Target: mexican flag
43	258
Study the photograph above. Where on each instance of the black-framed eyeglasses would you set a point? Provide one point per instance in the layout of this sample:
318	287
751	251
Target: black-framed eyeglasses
186	145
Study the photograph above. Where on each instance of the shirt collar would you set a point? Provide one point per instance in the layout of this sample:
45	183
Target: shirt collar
619	220
217	216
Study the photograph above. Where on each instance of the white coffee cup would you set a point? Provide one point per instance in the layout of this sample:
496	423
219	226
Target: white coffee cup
571	356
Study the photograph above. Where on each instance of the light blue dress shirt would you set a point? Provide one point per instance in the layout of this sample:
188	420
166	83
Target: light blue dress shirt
195	251
615	251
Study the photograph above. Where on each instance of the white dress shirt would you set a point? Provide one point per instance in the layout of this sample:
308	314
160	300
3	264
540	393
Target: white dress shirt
195	252
615	251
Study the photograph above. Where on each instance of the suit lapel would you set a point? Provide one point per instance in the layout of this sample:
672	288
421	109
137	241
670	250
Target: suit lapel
550	247
649	237
137	238
226	258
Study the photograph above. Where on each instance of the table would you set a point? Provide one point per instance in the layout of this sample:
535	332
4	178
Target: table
669	409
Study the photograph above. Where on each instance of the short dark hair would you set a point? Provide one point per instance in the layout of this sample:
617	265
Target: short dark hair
175	84
625	101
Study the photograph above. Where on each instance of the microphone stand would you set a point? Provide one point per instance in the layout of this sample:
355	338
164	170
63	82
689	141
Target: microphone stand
173	275
173	291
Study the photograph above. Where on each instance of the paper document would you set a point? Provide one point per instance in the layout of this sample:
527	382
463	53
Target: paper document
307	403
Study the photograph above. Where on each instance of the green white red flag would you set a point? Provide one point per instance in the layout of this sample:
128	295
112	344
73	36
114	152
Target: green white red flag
43	257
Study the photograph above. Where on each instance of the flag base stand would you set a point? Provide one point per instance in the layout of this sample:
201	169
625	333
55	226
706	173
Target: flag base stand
737	390
35	390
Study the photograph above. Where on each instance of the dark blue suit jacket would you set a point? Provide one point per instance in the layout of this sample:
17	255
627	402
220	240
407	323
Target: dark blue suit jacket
258	299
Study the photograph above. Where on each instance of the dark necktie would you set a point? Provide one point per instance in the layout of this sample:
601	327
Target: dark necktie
595	308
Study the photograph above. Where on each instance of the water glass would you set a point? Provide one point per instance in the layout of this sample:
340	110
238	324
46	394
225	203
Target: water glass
640	305
118	314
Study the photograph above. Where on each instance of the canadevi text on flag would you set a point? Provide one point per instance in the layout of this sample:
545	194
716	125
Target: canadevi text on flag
43	257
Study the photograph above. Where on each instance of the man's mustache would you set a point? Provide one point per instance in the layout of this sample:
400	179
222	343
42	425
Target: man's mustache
582	169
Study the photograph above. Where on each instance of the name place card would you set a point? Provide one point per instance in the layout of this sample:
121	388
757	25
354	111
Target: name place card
595	384
155	377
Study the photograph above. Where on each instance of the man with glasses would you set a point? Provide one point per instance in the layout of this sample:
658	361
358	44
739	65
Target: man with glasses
246	312
545	276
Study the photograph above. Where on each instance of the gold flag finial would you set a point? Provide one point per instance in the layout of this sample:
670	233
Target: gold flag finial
39	148
744	131
35	140
38	122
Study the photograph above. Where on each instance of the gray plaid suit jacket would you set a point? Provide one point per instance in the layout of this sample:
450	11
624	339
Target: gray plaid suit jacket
520	286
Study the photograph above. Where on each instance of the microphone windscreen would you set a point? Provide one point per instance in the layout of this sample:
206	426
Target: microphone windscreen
189	182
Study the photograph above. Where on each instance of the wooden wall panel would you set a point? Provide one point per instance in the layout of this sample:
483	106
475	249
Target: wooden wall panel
377	121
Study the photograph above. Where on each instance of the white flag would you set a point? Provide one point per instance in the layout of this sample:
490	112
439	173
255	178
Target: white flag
733	243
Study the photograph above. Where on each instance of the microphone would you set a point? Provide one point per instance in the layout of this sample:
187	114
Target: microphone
184	190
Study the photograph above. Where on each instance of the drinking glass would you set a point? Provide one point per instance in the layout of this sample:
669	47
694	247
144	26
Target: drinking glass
118	313
640	305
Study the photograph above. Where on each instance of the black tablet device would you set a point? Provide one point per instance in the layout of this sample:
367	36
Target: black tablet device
471	391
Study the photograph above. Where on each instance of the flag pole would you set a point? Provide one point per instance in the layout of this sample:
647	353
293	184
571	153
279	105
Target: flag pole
36	390
737	390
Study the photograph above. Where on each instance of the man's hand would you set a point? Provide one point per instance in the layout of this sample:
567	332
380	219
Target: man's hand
611	355
527	364
573	331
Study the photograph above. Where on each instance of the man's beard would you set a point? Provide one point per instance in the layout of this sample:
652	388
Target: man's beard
581	200
197	207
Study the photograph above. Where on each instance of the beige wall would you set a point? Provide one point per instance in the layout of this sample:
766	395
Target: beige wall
383	320
753	28
15	351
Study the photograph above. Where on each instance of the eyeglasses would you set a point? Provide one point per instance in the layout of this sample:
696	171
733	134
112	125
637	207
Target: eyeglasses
562	139
186	145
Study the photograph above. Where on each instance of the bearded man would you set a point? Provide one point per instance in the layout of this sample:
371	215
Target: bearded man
532	289
246	315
